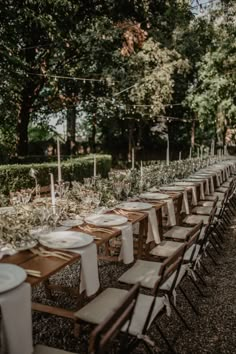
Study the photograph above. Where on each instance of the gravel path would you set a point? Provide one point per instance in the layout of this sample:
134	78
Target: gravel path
214	331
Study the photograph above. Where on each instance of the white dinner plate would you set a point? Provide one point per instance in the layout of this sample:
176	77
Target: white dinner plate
66	239
152	196
134	206
11	276
71	222
102	220
172	188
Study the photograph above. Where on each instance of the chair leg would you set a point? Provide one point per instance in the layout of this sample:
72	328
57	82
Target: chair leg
197	287
180	316
165	339
148	349
211	257
188	300
201	278
205	269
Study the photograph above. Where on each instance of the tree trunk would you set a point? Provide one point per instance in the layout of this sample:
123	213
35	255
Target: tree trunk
71	129
94	131
23	121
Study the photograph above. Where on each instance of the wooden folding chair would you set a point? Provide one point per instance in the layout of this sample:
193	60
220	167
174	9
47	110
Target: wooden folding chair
103	335
147	308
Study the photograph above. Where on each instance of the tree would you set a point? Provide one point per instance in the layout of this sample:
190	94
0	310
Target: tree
212	96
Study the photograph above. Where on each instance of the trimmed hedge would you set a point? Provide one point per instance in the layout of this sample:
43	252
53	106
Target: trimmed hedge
16	177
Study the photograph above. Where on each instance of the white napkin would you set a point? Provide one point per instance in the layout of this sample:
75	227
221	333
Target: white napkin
194	195
7	251
89	268
185	205
171	212
207	188
153	230
202	195
218	179
17	320
212	185
127	243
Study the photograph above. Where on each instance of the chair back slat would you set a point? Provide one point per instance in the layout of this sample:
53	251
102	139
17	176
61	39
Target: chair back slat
102	336
169	267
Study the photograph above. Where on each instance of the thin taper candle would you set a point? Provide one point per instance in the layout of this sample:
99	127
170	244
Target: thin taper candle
132	158
94	165
180	156
52	192
59	161
168	152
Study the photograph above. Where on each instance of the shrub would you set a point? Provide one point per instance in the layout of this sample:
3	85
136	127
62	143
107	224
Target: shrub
16	177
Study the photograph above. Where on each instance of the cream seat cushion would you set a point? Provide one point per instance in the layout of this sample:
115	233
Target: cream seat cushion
166	248
98	309
145	272
178	232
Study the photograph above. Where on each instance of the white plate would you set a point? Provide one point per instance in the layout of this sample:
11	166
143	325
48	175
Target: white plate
71	223
172	188
11	276
106	220
152	196
66	239
27	246
132	206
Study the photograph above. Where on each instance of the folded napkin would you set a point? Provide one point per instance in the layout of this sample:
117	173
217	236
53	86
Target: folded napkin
212	184
127	243
207	188
17	320
8	251
185	205
194	195
171	212
202	195
89	268
153	230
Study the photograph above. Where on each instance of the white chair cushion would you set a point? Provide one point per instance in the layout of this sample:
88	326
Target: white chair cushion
141	311
178	232
166	248
195	219
167	285
206	203
99	308
222	189
213	197
43	349
145	272
202	210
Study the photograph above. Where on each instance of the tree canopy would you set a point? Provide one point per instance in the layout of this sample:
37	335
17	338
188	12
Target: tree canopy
123	67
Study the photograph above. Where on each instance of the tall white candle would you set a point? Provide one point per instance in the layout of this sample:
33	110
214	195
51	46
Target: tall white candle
190	152
52	192
213	147
168	151
59	161
94	165
180	156
132	158
201	152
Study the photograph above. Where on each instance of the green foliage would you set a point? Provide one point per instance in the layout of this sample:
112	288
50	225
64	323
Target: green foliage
16	177
212	96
